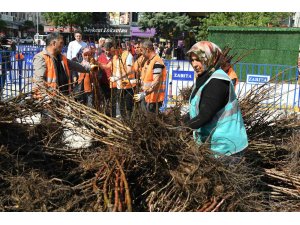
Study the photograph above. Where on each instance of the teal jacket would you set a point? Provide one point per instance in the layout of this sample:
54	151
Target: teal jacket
226	131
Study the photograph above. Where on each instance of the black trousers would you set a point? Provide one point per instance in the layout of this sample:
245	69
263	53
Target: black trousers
113	100
125	100
153	107
104	98
105	91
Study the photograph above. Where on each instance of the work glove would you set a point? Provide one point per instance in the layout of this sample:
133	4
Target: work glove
125	82
112	79
133	81
139	97
94	67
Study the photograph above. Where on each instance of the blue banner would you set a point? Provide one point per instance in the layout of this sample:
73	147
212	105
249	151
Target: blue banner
28	59
183	75
257	79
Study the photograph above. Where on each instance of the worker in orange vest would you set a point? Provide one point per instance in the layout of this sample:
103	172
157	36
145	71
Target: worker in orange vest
139	61
19	56
52	68
153	79
123	77
89	79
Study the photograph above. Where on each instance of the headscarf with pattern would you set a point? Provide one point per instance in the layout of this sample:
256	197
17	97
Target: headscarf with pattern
208	53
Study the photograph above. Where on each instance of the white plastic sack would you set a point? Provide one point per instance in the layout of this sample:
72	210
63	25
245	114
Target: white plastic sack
74	137
34	119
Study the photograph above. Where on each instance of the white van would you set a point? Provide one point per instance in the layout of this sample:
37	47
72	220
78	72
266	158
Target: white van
40	39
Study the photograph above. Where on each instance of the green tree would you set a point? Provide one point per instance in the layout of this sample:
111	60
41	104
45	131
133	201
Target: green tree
41	28
2	25
167	24
258	19
28	24
68	18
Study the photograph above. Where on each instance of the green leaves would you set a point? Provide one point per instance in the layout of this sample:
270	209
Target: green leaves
260	19
68	18
166	24
28	24
2	24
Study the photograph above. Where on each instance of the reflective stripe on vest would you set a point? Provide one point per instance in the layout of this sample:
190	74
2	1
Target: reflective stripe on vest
147	78
226	131
148	85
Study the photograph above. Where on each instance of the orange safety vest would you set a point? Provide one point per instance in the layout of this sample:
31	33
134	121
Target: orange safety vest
233	76
123	71
87	81
50	75
147	78
19	56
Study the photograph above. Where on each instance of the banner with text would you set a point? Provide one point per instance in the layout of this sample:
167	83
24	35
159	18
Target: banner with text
111	30
257	79
183	75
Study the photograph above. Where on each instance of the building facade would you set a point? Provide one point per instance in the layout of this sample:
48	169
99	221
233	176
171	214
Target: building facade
117	25
15	22
296	19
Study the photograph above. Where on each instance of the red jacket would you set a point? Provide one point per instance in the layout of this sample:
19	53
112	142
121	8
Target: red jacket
106	72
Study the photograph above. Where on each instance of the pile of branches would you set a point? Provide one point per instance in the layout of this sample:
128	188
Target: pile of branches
274	147
147	163
185	94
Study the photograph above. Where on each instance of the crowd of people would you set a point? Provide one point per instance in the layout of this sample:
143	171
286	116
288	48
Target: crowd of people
117	72
127	73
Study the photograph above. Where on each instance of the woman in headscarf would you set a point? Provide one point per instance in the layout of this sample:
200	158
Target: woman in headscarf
214	112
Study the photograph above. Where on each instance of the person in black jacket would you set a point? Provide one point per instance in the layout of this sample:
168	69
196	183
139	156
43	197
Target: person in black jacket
214	113
214	95
4	61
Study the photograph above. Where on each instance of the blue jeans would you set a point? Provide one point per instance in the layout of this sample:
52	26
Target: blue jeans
89	99
2	81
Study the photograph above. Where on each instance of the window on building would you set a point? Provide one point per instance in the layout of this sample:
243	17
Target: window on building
124	18
114	18
119	18
135	17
